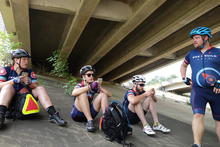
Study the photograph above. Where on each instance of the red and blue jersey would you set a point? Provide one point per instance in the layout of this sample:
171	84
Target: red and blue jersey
9	73
205	66
130	92
90	93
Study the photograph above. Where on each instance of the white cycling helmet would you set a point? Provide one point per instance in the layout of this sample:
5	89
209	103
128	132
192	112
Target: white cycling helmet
138	78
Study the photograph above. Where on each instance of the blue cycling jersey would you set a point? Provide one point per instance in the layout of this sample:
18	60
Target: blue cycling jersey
205	66
8	73
130	92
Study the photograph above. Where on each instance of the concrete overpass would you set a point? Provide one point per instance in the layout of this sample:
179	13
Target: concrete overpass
176	87
119	37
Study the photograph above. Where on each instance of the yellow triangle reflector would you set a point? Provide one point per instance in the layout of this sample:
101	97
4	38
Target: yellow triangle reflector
30	105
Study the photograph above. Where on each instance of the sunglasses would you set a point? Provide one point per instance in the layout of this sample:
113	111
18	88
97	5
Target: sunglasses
142	85
89	75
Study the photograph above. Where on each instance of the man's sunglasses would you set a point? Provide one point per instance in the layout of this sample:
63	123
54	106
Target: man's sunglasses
142	85
89	75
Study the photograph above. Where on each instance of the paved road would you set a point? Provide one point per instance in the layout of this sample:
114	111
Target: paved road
39	132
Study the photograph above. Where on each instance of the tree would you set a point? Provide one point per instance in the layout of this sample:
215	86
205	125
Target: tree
7	44
159	79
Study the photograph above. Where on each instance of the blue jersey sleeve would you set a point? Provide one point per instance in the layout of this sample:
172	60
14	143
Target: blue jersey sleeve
187	58
130	92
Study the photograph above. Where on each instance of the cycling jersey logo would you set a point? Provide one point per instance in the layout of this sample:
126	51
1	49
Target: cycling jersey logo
209	78
33	75
2	71
205	74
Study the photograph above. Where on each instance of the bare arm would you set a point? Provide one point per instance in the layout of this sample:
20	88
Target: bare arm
78	91
6	83
12	82
109	94
183	69
136	99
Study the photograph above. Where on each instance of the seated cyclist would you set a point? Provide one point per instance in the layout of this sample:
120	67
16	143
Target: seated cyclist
137	102
12	82
86	107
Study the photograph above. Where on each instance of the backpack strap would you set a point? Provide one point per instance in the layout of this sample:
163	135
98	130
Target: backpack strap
123	110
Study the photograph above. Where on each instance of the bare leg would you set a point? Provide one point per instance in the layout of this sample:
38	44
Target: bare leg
139	111
198	127
6	94
149	104
101	101
41	93
82	104
217	126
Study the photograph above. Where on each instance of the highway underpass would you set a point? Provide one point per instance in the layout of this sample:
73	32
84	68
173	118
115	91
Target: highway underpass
119	38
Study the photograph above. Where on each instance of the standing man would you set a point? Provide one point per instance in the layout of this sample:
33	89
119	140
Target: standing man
13	82
205	64
137	102
85	108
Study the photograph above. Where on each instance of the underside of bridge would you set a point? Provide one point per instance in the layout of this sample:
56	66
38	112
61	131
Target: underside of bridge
119	38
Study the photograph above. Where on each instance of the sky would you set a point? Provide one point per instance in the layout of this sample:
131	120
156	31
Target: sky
166	71
2	26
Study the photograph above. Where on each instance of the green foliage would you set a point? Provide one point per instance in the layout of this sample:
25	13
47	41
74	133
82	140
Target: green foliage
158	79
188	102
61	69
68	86
7	44
60	66
171	77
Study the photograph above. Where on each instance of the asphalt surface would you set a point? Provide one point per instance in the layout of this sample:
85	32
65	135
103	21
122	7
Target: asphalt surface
38	132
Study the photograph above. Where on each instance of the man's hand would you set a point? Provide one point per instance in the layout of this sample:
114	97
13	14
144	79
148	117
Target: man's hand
187	81
217	87
150	92
17	80
26	80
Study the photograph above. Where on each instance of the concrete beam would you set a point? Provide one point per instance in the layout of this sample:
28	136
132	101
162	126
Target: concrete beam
8	17
170	56
16	18
65	32
21	16
107	9
165	53
146	53
77	26
160	64
188	17
122	30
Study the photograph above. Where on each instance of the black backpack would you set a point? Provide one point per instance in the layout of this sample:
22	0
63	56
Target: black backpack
15	109
115	125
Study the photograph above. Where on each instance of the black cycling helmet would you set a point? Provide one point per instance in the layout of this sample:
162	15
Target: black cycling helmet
18	53
86	68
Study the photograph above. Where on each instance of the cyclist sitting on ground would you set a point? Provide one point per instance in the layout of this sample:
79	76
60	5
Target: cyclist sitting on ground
137	102
12	82
85	108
